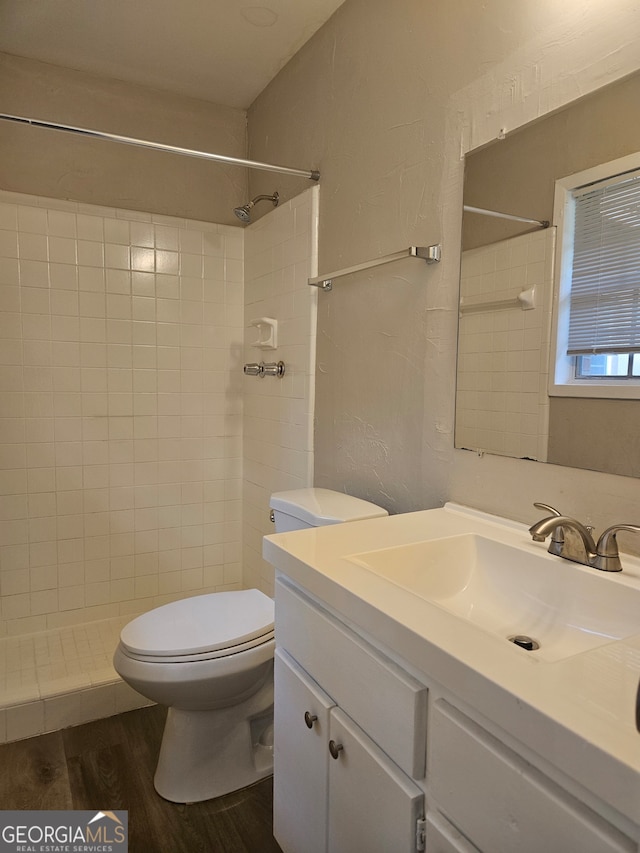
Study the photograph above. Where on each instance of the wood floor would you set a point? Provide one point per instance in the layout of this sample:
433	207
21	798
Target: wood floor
109	764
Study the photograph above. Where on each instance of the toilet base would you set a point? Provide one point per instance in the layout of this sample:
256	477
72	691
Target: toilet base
206	754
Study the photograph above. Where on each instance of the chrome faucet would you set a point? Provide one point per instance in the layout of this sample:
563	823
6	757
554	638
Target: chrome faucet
571	540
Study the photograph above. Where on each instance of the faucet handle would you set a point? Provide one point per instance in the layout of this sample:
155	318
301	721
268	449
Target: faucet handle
607	558
550	509
557	537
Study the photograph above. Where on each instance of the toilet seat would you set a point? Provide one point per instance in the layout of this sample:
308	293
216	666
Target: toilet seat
203	656
202	627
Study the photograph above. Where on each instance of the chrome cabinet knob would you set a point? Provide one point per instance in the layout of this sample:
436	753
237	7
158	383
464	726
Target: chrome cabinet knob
310	719
335	749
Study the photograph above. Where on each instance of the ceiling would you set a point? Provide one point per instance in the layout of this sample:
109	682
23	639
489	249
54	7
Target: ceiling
223	51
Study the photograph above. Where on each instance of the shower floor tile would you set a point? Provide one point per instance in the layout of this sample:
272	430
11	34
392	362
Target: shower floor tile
61	677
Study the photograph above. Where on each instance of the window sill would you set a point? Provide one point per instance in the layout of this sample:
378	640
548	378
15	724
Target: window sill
612	390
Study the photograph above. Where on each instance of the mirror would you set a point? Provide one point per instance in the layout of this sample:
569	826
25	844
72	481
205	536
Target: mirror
506	290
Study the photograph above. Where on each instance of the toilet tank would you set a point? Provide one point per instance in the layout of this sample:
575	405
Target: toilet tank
298	509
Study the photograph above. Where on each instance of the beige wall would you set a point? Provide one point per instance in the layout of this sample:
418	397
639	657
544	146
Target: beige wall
59	165
602	435
384	100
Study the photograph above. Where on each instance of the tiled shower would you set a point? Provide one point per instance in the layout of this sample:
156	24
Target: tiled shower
280	255
121	430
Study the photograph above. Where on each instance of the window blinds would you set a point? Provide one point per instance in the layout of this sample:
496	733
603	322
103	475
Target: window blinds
605	288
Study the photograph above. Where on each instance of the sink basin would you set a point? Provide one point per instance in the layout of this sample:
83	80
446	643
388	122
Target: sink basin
564	607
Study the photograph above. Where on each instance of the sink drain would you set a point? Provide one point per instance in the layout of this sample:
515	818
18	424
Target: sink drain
524	642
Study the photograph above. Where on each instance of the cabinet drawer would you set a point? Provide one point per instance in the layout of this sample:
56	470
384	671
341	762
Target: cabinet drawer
389	704
503	803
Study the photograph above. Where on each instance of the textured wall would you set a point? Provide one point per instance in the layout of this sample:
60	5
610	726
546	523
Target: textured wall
59	165
385	100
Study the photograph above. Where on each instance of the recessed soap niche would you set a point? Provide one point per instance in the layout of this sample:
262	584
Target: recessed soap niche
267	333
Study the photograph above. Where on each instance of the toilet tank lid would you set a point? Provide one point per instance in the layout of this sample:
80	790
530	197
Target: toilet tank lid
319	507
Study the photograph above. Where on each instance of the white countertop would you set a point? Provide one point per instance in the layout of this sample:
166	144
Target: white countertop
577	713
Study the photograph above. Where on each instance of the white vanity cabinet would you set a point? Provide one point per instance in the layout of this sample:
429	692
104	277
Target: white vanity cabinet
335	788
404	780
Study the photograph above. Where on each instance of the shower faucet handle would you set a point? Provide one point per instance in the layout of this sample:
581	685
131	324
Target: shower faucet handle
272	368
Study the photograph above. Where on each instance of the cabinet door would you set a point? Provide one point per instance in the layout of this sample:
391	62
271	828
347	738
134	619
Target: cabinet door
300	759
373	806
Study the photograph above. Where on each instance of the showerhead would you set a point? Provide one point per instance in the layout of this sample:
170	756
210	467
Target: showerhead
244	213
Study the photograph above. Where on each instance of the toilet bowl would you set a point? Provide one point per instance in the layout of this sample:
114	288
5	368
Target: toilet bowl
209	658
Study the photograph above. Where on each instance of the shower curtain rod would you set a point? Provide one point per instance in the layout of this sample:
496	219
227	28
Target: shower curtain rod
312	175
542	223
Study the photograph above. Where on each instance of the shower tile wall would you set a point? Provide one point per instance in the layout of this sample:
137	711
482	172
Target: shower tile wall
502	403
280	255
120	421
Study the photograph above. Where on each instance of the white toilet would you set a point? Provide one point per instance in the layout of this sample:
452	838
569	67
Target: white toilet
209	658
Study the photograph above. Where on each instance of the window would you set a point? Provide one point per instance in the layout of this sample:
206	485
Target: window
597	327
616	365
